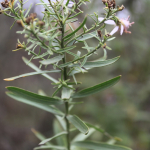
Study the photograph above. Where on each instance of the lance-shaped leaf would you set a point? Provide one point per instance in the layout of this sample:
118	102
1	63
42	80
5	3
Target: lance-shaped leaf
91	64
97	63
52	60
35	100
81	25
96	88
30	74
26	95
34	67
82	38
98	146
81	137
78	123
49	139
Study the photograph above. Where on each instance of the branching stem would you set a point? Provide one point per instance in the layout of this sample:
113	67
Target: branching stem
65	78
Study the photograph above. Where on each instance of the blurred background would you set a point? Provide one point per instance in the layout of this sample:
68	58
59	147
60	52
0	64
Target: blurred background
122	110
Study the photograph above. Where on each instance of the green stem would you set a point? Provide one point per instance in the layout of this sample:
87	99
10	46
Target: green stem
66	103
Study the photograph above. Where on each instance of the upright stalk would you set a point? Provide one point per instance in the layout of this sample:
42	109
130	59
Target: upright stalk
66	103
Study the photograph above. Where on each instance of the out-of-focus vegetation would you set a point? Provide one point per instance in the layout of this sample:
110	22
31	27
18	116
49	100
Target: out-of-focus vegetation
122	110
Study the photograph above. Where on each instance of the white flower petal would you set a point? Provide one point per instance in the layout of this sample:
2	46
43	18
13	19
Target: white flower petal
121	30
100	18
111	22
114	30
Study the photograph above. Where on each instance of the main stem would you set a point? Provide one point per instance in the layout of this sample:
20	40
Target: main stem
66	103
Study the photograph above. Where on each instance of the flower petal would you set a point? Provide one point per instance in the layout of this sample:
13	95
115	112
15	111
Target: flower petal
100	18
70	4
111	22
121	30
114	30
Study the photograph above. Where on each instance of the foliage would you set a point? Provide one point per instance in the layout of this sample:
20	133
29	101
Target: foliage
56	38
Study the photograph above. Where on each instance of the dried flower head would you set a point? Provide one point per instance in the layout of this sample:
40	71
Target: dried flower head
19	22
41	23
109	3
0	11
30	18
5	4
99	33
19	45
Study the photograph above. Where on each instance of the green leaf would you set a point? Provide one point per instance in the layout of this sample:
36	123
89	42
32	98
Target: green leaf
26	95
49	139
110	39
78	123
96	88
97	63
98	146
66	93
57	127
41	56
81	25
65	64
51	146
40	136
82	137
96	128
35	100
34	67
93	64
52	60
66	49
47	108
82	38
62	122
30	74
48	8
72	20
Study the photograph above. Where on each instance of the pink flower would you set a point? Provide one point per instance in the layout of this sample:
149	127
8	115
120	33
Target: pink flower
121	26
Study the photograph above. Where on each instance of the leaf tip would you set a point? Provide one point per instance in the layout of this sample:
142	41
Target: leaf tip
87	132
33	130
8	79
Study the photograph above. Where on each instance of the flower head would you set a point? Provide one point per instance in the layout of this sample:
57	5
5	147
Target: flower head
122	25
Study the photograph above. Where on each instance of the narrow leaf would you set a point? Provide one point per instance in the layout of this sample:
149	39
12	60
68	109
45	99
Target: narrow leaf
30	74
34	67
82	137
97	63
98	146
26	95
49	139
47	108
96	88
82	38
81	25
78	123
52	60
39	135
